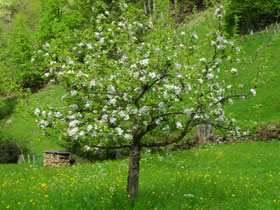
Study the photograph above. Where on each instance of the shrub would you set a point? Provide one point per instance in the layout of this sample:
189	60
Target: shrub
20	52
9	150
251	14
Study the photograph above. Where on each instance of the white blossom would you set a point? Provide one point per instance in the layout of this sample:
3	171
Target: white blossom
73	131
200	81
203	60
119	131
113	120
144	62
89	127
179	125
188	111
152	74
87	147
82	133
210	76
233	70
253	91
57	114
73	123
144	110
128	136
74	106
37	112
89	46
73	93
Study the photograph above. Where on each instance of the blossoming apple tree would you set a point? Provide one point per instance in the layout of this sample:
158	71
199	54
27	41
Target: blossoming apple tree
130	78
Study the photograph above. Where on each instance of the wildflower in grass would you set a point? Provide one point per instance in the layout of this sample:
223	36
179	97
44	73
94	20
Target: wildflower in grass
189	195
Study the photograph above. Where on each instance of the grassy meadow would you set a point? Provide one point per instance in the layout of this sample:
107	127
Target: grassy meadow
236	176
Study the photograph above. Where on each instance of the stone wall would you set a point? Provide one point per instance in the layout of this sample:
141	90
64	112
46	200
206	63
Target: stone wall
56	159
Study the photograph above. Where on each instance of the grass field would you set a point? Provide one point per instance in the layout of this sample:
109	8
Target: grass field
238	176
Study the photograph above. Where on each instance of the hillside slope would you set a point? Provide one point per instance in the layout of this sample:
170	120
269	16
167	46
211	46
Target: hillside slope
260	49
260	53
22	125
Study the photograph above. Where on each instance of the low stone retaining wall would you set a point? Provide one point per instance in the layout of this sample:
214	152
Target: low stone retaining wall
262	133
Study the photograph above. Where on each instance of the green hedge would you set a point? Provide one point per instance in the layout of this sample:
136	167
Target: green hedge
252	14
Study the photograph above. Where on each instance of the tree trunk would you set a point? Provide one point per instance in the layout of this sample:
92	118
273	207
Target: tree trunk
203	133
133	172
118	154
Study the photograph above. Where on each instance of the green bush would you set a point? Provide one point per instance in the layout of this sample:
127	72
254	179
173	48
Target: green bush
9	151
251	14
17	39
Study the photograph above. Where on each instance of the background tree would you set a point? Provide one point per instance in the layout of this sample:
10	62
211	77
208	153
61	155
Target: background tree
128	88
251	14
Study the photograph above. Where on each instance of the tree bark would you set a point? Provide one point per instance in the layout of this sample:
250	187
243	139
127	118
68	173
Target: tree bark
133	172
118	154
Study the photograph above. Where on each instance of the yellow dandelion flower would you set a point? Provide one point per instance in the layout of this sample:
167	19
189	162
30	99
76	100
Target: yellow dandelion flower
7	207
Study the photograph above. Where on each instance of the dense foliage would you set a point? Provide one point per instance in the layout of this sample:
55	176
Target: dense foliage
251	14
27	25
10	150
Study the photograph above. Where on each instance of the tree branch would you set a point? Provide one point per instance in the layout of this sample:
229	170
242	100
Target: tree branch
145	89
167	142
104	93
233	96
116	147
167	114
228	97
